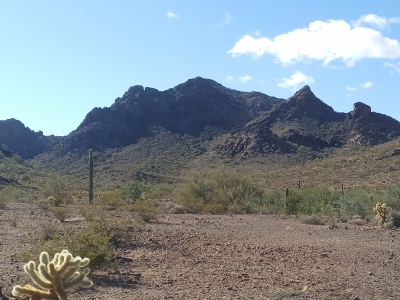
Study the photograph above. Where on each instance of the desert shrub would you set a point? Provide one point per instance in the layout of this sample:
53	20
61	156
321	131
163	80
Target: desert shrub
92	244
198	191
272	202
110	198
134	190
159	191
390	196
25	177
99	238
222	190
321	200
395	218
14	193
353	202
89	212
146	209
235	189
49	231
56	187
61	213
316	200
293	200
214	208
3	200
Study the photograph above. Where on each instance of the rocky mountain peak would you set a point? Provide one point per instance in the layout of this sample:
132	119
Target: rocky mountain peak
303	93
360	110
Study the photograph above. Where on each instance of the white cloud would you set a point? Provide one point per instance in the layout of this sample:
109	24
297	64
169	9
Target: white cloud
245	78
375	21
351	89
366	85
295	80
171	15
228	18
323	41
395	66
229	79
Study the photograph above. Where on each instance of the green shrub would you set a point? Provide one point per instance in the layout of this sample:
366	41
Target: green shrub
272	202
353	202
220	191
134	190
3	200
14	193
198	191
238	191
57	187
110	198
89	212
159	191
93	245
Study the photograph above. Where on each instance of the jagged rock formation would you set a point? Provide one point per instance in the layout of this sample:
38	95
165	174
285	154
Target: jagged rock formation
188	108
18	139
304	120
246	124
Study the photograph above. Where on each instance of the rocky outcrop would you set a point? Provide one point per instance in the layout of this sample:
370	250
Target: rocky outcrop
246	123
360	110
304	120
188	108
18	139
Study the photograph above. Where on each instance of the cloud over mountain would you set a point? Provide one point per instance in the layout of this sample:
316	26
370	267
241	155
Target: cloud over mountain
325	41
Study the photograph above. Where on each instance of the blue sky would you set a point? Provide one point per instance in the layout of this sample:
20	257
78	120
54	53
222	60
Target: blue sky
60	59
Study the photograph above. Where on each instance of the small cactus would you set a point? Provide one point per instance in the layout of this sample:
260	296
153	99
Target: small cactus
382	211
54	277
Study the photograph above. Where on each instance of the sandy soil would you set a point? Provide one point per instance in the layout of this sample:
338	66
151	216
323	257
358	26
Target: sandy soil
228	257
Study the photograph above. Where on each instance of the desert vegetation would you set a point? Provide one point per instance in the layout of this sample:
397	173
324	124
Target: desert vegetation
352	187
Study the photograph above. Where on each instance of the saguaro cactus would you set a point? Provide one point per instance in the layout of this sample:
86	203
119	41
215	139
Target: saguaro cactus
90	175
54	277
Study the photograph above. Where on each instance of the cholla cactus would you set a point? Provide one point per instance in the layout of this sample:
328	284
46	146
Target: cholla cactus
54	277
382	211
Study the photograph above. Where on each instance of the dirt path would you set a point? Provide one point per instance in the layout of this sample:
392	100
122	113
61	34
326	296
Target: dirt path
232	257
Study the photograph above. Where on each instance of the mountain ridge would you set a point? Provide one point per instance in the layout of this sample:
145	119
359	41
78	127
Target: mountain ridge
203	116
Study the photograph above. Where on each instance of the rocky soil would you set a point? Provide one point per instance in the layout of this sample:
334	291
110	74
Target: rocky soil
227	257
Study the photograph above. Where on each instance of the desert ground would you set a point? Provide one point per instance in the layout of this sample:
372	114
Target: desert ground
189	256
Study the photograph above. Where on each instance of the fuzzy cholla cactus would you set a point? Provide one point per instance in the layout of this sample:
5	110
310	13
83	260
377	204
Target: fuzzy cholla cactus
382	211
54	277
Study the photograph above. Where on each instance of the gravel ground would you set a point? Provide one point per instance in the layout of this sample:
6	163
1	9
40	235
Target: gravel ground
227	257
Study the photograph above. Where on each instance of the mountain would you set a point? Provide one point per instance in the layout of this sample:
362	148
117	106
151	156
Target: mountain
189	108
154	134
18	139
304	120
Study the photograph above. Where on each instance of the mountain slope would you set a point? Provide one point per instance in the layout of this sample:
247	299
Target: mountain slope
188	108
304	120
23	141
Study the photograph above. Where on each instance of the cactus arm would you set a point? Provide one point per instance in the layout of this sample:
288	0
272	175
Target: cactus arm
36	278
71	274
79	279
58	286
44	273
32	292
44	258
